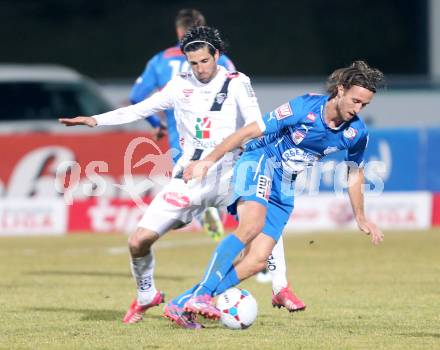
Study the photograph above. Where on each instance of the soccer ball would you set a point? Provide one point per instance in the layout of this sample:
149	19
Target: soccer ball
238	308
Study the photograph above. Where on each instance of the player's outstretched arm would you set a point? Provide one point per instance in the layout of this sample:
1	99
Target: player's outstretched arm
356	180
80	120
199	169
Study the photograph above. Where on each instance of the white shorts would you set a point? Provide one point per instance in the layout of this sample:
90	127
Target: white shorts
179	202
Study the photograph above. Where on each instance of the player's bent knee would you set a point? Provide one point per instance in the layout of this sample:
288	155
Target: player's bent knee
141	240
247	232
257	260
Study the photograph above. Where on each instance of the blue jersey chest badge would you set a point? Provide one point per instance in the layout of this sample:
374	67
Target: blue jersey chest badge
299	134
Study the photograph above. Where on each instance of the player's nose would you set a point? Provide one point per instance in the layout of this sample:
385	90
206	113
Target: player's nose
357	108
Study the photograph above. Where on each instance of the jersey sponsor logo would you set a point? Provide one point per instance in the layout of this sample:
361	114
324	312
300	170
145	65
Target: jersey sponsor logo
176	199
205	143
350	133
203	128
263	187
330	150
220	97
298	154
298	136
283	111
187	92
297	159
311	116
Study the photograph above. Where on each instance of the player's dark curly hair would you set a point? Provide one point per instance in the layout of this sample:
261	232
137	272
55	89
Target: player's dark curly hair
197	37
358	73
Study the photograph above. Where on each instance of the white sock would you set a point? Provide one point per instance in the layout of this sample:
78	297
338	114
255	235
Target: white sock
142	269
276	265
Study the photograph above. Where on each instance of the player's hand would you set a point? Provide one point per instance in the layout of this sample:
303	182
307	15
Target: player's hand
89	121
371	229
197	170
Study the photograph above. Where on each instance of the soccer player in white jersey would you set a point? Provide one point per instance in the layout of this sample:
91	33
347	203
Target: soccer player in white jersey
210	104
159	70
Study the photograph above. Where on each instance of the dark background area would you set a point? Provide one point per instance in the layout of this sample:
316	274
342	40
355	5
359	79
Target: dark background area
279	39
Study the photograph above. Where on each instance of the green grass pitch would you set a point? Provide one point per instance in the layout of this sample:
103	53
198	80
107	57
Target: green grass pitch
71	293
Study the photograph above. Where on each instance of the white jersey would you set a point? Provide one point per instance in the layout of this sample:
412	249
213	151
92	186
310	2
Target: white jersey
205	115
200	128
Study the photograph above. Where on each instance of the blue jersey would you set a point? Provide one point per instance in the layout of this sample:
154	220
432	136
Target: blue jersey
297	135
158	72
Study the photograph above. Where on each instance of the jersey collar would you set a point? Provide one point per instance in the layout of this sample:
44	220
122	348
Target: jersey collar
221	71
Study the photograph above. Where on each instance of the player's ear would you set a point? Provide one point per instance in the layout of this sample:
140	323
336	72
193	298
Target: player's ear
341	91
216	55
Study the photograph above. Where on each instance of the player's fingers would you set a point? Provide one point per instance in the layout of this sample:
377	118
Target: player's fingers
66	122
188	173
365	229
377	236
198	169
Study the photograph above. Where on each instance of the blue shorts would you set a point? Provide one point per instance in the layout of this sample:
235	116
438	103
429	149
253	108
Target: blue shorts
256	179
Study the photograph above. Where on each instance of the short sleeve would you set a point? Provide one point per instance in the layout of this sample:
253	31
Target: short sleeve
287	114
246	100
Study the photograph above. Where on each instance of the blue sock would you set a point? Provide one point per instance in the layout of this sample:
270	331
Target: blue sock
230	280
220	263
181	299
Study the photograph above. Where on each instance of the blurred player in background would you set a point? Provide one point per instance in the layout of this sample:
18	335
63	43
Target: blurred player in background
282	144
160	69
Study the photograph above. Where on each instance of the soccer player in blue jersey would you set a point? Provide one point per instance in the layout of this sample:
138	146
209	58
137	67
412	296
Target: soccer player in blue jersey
158	72
283	143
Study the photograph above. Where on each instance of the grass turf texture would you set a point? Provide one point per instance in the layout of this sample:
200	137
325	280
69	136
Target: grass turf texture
71	293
